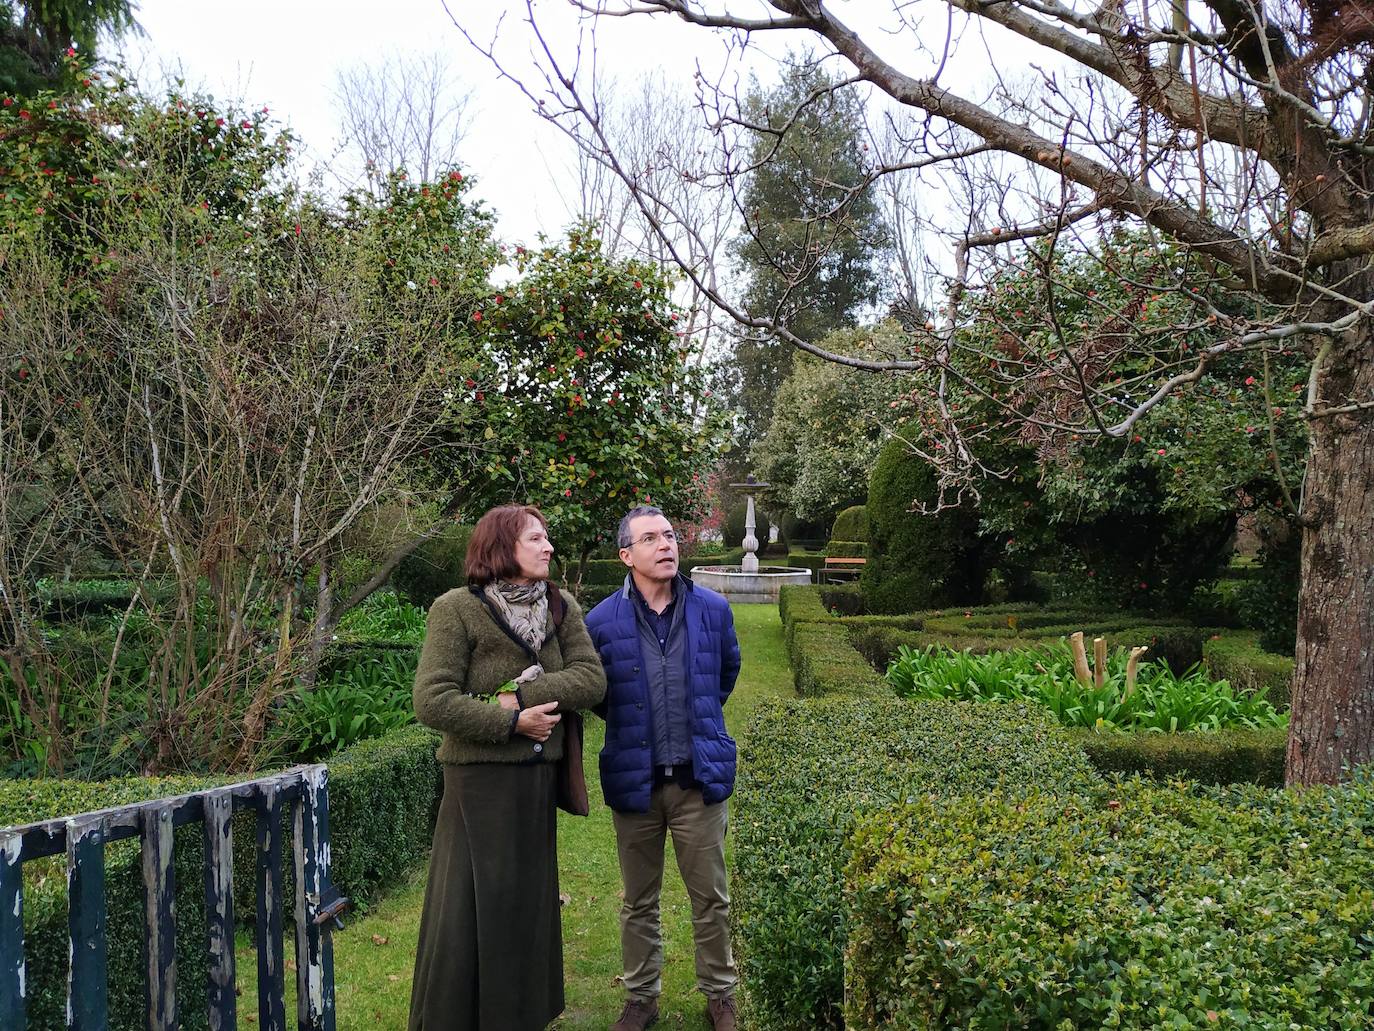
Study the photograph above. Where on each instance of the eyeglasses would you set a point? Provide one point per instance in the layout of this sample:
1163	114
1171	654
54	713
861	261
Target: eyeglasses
652	539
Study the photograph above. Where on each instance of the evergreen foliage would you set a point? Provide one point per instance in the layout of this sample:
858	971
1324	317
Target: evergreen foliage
809	247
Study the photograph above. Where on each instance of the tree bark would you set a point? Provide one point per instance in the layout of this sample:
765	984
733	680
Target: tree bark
1332	724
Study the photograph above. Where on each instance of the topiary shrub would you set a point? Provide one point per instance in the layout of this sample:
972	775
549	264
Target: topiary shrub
846	549
917	561
851	524
434	567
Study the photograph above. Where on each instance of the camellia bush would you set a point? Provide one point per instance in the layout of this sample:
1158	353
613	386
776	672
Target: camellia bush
593	405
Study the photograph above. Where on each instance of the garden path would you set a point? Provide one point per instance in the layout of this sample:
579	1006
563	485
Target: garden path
374	956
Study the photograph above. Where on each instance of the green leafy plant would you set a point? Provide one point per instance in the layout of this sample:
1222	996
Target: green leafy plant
366	700
385	617
1160	700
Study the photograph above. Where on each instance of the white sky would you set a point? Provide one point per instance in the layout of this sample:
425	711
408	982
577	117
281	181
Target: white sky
285	54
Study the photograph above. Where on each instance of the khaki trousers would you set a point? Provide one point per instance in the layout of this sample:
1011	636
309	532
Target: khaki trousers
698	833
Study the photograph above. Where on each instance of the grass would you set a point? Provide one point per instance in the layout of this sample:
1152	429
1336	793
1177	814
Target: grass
375	955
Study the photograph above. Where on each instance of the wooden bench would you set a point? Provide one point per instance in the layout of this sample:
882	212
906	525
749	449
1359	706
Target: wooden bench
839	570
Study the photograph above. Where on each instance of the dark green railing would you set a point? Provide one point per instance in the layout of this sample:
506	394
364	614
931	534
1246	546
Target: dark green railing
302	792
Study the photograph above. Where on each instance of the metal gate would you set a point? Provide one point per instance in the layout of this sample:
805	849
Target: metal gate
301	793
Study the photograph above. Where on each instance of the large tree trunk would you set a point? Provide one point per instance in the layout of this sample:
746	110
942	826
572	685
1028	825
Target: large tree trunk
1333	689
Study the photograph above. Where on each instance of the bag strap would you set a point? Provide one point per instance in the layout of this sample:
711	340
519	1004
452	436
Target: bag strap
558	608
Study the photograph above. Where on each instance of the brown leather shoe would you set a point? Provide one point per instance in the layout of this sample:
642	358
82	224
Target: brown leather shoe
721	1013
637	1015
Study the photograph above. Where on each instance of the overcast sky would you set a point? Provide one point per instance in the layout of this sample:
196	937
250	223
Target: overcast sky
286	54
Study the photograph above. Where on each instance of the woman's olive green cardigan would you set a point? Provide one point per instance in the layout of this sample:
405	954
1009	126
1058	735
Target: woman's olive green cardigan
467	653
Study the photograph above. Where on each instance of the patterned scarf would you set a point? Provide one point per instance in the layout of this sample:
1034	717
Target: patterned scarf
524	607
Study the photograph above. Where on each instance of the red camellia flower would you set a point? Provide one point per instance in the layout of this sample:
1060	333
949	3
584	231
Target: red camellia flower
581	353
470	383
219	121
639	285
52	105
1249	381
1144	586
9	101
457	178
1160	451
562	437
477	316
567	493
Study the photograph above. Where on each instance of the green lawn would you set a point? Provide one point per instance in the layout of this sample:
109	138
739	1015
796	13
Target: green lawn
374	956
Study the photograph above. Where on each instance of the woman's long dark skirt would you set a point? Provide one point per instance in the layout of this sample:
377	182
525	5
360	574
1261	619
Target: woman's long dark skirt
490	956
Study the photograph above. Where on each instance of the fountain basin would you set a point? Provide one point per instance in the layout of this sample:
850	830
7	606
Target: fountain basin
758	587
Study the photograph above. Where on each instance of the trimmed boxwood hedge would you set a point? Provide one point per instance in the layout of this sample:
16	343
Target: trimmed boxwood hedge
847	549
824	663
1236	656
383	795
807	767
1123	905
1238	756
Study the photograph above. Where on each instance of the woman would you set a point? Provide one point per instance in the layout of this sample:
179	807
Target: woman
493	670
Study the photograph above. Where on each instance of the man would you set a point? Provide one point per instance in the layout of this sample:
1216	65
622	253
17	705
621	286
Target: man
671	660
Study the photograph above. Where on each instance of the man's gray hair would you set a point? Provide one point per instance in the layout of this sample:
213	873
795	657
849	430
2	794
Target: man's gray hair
623	537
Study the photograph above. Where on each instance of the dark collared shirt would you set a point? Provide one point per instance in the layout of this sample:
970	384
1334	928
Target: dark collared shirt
660	622
670	683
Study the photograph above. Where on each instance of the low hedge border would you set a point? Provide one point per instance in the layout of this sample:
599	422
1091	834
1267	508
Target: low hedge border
1124	905
806	768
824	663
383	795
1237	756
1236	656
612	570
847	549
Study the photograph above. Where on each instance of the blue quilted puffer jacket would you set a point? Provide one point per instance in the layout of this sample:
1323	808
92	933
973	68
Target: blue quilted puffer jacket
713	664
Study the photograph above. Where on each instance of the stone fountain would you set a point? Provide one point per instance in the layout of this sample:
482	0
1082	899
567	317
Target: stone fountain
749	581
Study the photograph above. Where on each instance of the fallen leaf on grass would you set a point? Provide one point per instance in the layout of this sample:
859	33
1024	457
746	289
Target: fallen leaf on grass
393	977
564	898
377	939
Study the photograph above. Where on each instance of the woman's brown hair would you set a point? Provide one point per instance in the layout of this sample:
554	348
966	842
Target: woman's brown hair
491	549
